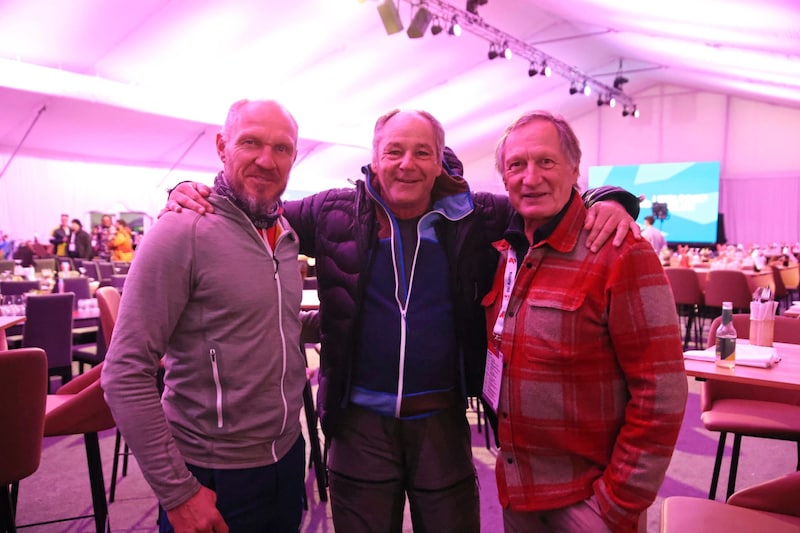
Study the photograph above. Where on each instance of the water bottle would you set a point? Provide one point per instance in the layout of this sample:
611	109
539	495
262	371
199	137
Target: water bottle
726	338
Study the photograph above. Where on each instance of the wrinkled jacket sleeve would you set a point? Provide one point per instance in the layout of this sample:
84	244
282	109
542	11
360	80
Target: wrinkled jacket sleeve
615	194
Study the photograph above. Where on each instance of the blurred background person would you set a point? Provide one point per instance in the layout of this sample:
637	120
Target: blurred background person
80	242
653	235
121	244
59	237
102	235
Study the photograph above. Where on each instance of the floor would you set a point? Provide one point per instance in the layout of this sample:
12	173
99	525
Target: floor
60	486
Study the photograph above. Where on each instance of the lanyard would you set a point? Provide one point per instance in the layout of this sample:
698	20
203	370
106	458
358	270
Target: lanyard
509	276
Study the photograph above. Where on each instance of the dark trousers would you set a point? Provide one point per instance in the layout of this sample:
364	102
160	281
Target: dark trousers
265	498
375	462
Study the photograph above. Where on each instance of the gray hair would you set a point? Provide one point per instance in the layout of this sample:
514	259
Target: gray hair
438	131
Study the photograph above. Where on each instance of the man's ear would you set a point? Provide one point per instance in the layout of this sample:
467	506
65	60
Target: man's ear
221	147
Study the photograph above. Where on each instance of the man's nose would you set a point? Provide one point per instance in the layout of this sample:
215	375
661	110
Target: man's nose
265	158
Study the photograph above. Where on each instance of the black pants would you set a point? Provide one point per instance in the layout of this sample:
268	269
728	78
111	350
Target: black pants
265	498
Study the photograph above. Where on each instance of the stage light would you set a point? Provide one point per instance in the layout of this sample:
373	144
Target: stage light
506	51
472	5
492	51
625	111
635	112
600	101
619	81
546	70
532	70
436	27
612	102
573	88
586	89
419	24
390	17
455	28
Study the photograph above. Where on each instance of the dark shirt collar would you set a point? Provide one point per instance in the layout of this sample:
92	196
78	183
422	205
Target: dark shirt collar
515	233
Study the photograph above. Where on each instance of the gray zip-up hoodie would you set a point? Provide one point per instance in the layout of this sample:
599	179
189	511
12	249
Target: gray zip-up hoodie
207	292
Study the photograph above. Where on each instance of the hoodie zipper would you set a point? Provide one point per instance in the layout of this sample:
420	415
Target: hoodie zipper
215	371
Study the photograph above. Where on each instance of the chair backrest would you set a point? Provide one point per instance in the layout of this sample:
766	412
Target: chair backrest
108	302
728	286
105	268
18	287
48	325
23	397
780	288
786	330
790	276
778	495
45	262
685	286
121	267
118	281
79	287
7	265
85	411
91	270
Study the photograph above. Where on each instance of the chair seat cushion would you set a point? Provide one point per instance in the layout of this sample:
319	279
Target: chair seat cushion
754	417
680	514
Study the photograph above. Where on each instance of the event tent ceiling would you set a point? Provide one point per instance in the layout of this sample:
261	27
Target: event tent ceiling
148	82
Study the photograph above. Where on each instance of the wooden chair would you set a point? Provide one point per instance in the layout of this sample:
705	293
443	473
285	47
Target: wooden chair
48	325
749	410
689	301
23	396
786	280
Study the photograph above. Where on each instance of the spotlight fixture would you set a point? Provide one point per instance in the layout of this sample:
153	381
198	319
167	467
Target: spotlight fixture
506	51
436	27
586	90
455	27
472	5
612	102
492	51
419	24
532	71
546	71
619	81
600	101
632	111
573	87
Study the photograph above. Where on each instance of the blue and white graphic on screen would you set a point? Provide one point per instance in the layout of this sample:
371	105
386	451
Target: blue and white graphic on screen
682	197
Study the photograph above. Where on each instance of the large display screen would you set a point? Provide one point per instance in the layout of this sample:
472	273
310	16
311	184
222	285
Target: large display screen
682	197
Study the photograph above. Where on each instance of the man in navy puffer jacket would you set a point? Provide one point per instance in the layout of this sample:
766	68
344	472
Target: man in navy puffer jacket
402	263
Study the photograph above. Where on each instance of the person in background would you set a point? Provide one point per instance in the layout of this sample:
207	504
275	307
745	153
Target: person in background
121	244
60	236
587	349
402	261
80	242
6	246
653	235
102	235
222	447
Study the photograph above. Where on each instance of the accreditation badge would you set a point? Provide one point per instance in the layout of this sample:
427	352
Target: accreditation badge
493	377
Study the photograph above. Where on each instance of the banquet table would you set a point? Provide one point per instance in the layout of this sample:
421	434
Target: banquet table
5	323
782	375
